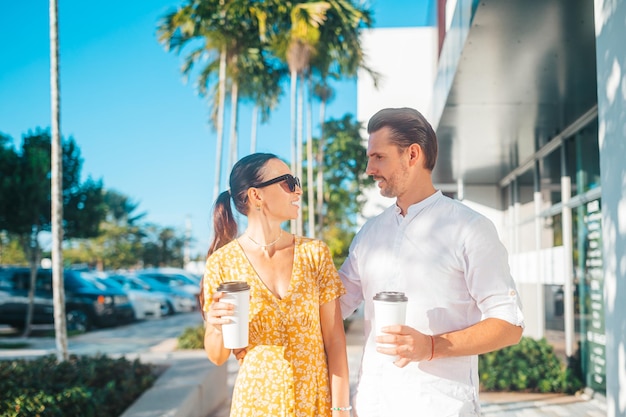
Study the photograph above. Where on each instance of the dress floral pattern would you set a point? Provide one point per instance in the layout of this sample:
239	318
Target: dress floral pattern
284	372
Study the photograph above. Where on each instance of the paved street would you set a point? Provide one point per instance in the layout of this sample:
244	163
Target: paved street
141	337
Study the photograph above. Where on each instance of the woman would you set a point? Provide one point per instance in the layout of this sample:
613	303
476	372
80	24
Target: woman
295	363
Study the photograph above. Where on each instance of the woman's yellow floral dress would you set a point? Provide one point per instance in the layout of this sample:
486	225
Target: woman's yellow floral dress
284	372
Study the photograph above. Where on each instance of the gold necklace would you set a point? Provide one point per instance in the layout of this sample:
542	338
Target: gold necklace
280	234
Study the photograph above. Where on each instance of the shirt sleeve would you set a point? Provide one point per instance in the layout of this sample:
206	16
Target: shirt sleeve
488	275
211	279
349	274
329	284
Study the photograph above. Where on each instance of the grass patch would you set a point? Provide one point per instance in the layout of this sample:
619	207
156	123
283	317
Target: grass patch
14	345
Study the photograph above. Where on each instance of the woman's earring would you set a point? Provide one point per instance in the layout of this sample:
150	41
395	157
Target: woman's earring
258	207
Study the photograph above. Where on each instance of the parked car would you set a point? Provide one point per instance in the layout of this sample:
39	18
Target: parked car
177	300
176	278
145	303
87	304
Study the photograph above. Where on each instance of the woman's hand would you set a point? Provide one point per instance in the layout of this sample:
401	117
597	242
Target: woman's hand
218	312
218	315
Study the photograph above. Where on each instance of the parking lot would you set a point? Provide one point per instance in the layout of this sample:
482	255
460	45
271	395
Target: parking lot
96	300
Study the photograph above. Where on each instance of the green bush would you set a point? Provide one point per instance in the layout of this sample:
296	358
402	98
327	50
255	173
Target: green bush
192	338
81	386
529	366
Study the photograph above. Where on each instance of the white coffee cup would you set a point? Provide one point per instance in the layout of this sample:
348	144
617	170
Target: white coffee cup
389	309
235	333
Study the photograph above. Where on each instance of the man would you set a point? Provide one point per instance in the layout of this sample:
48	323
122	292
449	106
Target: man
450	263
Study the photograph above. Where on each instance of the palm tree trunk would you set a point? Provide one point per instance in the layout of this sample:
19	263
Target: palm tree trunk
294	134
58	294
320	171
254	123
309	162
220	123
234	106
300	142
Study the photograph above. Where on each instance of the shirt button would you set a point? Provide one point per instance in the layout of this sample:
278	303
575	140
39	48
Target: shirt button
512	293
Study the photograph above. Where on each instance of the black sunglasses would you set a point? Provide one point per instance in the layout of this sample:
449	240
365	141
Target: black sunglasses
292	182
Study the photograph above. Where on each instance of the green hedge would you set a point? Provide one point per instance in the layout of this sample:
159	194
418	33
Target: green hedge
81	386
193	337
529	366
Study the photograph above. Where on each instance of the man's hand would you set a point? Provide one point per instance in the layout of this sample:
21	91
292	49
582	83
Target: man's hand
410	345
240	354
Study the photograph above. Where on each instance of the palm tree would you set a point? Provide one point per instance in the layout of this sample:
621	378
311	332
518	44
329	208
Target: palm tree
230	29
261	85
344	160
324	93
215	24
190	23
56	191
322	35
251	74
339	54
301	42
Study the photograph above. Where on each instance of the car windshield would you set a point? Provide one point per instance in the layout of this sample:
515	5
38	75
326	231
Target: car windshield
111	283
154	284
90	280
183	279
163	279
171	278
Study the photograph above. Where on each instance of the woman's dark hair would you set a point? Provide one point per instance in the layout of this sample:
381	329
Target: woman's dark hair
408	126
245	173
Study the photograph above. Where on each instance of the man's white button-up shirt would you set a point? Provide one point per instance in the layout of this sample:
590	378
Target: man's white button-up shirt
450	263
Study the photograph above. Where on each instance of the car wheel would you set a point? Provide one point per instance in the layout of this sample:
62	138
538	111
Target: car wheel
138	315
167	309
77	320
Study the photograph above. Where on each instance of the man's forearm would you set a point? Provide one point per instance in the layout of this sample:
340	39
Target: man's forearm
486	336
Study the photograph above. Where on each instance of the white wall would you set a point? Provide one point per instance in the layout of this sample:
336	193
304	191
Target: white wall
611	64
406	59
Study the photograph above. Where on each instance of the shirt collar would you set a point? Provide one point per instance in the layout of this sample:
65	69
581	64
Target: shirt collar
414	209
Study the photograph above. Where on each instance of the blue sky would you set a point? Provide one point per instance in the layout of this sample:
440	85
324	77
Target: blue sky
140	128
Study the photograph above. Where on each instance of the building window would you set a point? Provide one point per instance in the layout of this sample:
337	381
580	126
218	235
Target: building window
586	159
550	178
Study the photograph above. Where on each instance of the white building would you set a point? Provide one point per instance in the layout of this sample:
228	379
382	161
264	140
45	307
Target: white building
527	99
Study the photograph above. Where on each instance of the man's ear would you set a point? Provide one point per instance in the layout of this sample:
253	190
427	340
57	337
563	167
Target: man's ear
415	154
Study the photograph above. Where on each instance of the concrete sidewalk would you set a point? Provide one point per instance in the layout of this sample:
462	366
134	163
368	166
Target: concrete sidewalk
505	404
190	387
193	387
535	405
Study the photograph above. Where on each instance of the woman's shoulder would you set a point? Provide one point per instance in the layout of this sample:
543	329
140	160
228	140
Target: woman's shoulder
225	251
309	241
311	245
